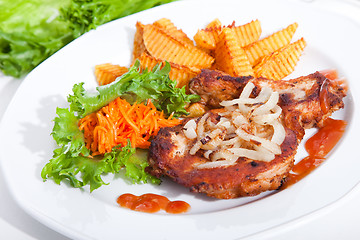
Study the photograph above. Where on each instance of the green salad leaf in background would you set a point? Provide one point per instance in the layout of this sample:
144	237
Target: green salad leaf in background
33	30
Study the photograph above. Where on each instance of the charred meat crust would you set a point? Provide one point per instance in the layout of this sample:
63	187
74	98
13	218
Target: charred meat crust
214	87
301	103
245	178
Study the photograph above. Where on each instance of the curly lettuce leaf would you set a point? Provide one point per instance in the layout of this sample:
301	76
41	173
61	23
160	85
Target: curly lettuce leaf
73	162
135	86
82	170
84	15
66	133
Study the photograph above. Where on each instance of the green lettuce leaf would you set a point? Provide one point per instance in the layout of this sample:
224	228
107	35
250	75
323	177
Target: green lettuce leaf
135	86
73	162
33	30
82	170
30	31
84	15
66	133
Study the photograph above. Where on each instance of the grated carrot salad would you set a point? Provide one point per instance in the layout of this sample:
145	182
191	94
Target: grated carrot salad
119	121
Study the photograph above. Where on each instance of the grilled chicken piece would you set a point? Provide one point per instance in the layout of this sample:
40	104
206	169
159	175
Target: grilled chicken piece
312	98
169	155
305	102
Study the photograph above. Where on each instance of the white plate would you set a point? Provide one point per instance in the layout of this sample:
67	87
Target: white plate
26	144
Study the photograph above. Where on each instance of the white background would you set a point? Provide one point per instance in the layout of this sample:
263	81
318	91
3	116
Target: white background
340	220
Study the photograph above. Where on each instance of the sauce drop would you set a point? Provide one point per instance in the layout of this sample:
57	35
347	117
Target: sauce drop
326	138
177	207
318	146
151	203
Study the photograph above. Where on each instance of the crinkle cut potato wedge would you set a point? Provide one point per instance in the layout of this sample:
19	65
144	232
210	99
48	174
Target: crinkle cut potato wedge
257	50
163	46
171	29
280	63
245	34
209	35
182	74
107	72
248	33
214	23
235	50
230	57
139	46
207	38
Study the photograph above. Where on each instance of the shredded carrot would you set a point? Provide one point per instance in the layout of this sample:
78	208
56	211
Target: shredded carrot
119	121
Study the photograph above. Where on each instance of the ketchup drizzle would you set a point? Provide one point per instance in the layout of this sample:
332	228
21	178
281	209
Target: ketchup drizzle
151	203
318	146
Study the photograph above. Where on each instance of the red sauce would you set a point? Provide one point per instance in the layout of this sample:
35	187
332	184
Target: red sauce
326	138
151	203
177	207
331	74
318	146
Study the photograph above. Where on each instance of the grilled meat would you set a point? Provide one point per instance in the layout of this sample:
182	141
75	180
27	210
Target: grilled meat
169	155
305	102
308	99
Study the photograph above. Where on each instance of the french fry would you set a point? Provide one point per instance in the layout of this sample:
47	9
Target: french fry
107	72
265	46
139	46
245	34
280	63
162	46
235	50
171	29
207	38
248	33
230	57
182	74
211	31
214	23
